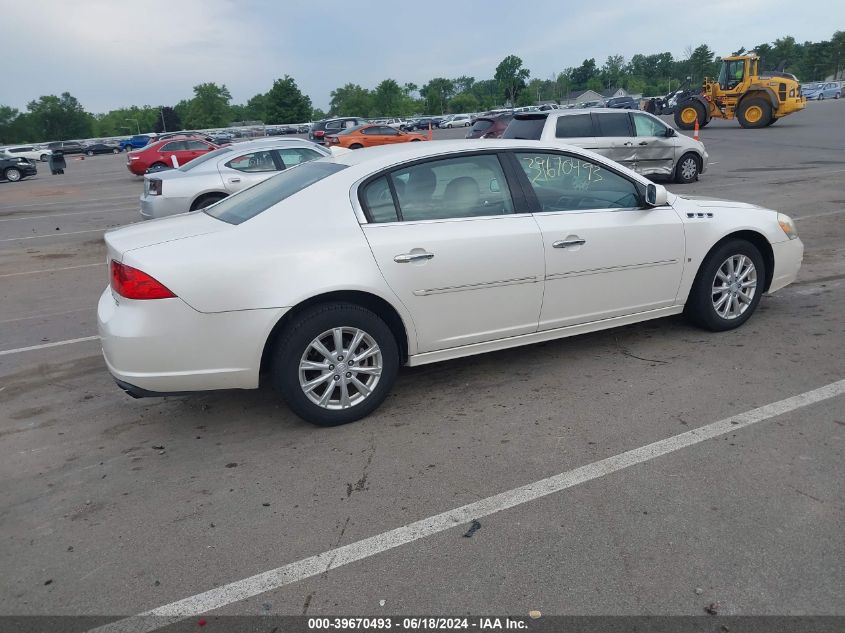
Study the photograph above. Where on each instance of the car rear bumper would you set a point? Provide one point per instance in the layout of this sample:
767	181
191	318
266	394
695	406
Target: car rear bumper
161	206
164	346
788	258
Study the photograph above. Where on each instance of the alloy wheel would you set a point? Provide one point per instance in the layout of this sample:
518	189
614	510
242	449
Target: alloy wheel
689	169
340	368
734	286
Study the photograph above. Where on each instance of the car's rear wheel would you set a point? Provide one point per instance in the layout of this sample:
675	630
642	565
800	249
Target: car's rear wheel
754	113
206	201
115	151
728	287
335	363
158	166
13	174
415	140
45	158
355	146
688	168
89	153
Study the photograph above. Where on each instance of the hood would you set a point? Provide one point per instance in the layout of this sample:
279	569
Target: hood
704	201
177	227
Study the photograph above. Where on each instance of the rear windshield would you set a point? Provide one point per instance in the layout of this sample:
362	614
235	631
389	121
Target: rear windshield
525	128
199	160
258	198
481	124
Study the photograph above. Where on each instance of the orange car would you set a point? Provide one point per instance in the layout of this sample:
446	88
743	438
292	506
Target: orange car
369	135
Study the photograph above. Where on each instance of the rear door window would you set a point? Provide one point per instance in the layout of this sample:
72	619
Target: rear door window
295	155
253	162
574	126
173	146
614	125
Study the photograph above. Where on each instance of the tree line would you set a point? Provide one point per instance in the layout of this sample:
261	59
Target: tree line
52	117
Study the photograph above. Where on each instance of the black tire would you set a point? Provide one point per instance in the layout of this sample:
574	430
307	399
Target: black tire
355	146
44	158
773	120
688	168
295	341
700	308
206	201
700	113
158	166
115	151
415	140
13	174
752	102
89	153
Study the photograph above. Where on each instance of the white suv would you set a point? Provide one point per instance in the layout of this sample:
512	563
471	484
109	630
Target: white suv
637	140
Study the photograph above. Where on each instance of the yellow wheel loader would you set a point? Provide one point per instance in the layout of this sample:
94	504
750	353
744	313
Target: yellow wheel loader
741	92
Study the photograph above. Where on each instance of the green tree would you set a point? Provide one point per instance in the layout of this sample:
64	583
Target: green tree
511	77
584	72
167	121
256	108
317	114
59	118
8	116
351	100
388	99
612	71
437	94
463	102
285	103
209	107
594	83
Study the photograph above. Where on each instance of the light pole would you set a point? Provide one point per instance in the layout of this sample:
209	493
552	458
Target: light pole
163	126
137	125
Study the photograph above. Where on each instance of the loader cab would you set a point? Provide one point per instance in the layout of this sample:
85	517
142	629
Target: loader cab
732	73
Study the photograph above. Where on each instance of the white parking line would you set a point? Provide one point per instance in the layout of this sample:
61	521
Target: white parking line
46	345
331	559
51	270
819	215
57	234
91	309
52	204
135	207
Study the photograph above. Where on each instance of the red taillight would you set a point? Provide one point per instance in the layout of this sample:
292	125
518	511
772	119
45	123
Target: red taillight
134	284
332	140
319	133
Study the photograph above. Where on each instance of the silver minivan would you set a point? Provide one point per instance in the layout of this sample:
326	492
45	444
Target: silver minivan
638	140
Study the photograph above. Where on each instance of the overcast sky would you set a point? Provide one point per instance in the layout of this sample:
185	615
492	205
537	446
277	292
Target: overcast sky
112	53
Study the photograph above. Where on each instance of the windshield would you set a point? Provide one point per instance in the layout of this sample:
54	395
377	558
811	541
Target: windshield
529	128
199	160
258	198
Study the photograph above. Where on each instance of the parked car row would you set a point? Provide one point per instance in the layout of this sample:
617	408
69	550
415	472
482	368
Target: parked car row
822	91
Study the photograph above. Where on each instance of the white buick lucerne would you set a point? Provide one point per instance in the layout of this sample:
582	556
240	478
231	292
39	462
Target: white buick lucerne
327	277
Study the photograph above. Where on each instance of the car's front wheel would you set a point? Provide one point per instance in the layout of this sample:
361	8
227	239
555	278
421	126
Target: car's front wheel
89	153
688	168
13	174
728	286
335	363
115	151
44	158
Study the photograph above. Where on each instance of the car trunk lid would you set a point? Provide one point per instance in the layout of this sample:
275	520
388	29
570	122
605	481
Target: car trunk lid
143	234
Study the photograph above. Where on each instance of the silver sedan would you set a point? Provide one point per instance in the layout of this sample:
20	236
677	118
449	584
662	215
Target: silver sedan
220	173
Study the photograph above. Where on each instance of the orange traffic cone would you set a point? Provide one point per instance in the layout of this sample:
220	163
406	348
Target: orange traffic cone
429	130
695	131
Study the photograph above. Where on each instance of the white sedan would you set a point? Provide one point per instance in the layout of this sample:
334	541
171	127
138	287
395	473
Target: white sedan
328	277
213	176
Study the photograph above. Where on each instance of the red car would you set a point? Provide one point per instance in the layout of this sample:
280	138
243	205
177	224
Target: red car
159	155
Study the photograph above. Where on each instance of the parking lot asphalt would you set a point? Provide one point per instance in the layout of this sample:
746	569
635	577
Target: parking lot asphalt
114	506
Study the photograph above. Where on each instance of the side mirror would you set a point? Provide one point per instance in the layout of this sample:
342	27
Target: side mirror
670	132
655	195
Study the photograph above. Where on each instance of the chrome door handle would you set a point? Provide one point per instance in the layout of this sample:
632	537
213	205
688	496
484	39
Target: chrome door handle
565	243
627	143
405	258
234	179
